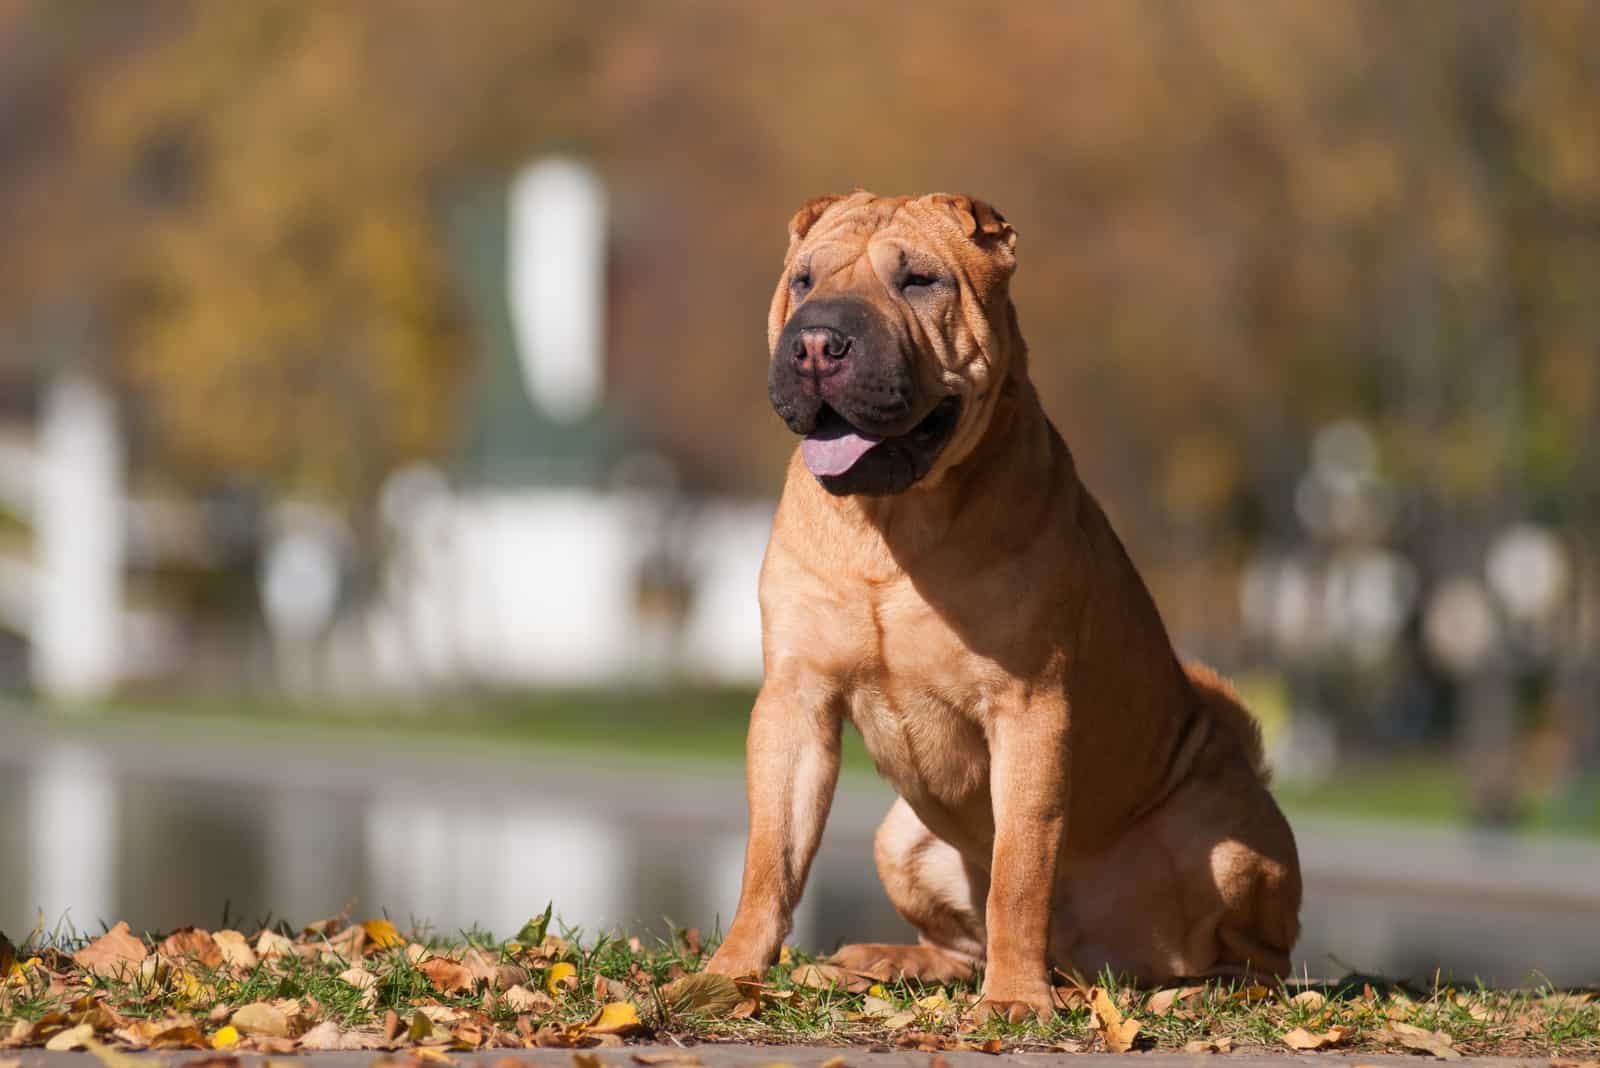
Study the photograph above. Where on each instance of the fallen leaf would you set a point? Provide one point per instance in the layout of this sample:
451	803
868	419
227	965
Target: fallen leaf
381	934
1117	1033
655	1060
191	943
236	952
521	999
1301	1039
820	976
873	1005
702	992
271	944
1309	999
615	1018
1418	1038
1068	997
588	1060
1208	1045
446	976
561	977
359	978
260	1018
745	1009
1250	995
325	1036
185	1036
899	1021
72	1038
225	1037
113	955
420	1028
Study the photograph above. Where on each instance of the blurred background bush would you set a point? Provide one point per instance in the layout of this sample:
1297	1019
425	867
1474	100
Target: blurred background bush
398	372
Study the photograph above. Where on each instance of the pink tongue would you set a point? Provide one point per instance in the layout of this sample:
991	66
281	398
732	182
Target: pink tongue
835	450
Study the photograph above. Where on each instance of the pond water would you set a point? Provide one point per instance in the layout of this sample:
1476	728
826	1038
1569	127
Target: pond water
164	828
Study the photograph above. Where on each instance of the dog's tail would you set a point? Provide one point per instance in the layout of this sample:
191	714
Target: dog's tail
1223	702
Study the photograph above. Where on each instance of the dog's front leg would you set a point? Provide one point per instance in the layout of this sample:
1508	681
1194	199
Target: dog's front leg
792	766
1028	785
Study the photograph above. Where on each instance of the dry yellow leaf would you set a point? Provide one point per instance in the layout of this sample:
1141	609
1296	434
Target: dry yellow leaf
225	1037
382	934
71	1038
1117	1033
561	977
615	1018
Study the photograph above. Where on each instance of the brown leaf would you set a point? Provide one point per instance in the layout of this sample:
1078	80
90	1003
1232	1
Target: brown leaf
1418	1038
393	1028
820	976
325	1036
1301	1039
183	1036
745	1009
676	1060
521	999
1309	999
236	952
271	944
1117	1033
1208	1045
191	943
115	954
446	975
702	992
1069	997
261	1018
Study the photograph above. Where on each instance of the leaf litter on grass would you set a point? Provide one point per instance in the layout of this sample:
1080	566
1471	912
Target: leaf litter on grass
337	985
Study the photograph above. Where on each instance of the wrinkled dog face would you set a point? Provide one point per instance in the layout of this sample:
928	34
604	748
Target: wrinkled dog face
884	335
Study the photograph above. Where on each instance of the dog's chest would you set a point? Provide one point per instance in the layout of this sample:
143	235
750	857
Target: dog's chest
920	700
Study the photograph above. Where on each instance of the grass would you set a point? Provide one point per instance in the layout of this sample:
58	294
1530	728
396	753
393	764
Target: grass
541	989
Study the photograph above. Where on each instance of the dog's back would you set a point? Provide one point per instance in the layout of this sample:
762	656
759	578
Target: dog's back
1223	702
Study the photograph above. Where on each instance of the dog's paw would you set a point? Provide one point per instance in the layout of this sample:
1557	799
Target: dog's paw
1014	1007
885	961
734	964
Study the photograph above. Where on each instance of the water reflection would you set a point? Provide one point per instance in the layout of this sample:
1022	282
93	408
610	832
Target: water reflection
164	830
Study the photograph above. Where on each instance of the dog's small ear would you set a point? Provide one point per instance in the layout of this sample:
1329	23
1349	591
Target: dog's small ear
980	220
807	217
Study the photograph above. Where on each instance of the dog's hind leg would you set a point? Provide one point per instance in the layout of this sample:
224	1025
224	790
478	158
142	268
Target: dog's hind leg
937	891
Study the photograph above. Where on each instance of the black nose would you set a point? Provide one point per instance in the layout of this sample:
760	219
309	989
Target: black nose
819	350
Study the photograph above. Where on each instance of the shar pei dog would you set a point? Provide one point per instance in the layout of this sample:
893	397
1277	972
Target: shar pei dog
1071	794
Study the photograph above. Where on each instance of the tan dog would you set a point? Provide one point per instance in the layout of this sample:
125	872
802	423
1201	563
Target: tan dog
1070	794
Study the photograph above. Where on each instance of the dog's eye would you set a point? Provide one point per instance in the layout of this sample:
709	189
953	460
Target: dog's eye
801	282
917	282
